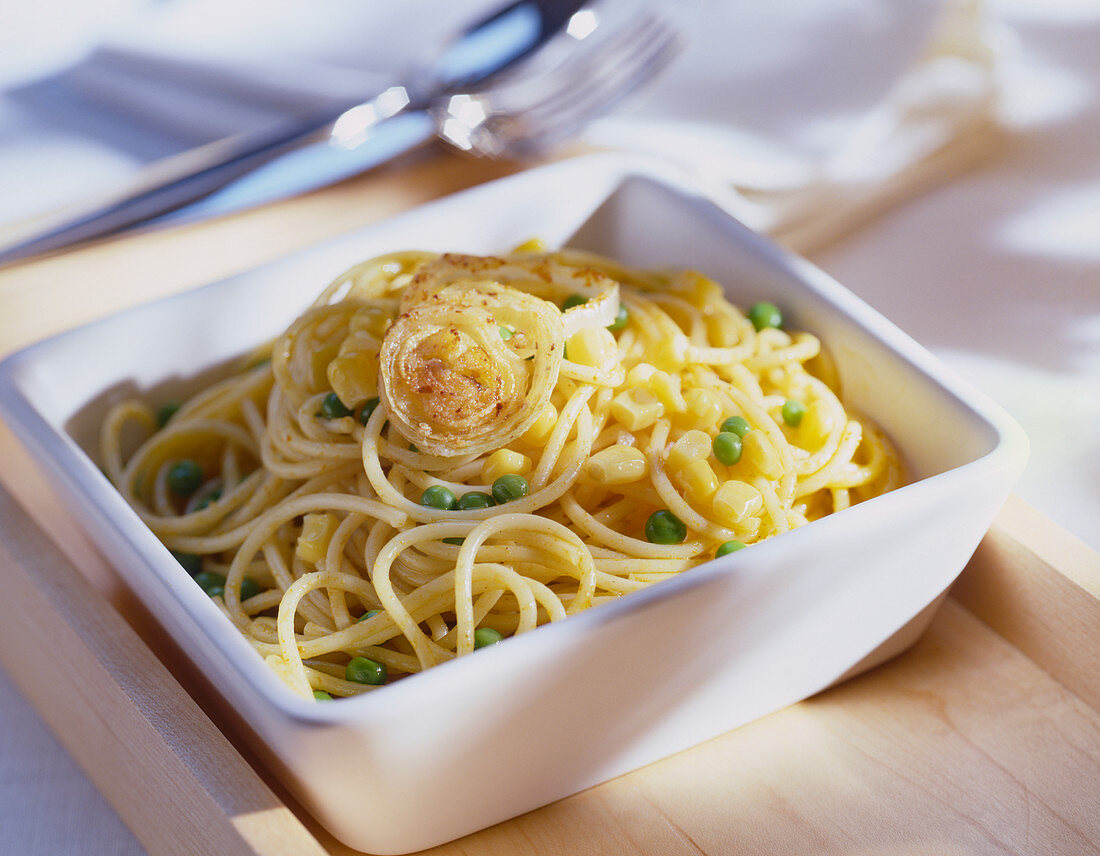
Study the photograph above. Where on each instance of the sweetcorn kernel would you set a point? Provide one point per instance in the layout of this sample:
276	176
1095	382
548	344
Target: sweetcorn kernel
698	480
592	346
504	462
318	364
640	374
617	465
540	429
317	529
703	409
818	422
531	245
735	501
671	352
636	408
759	453
693	446
724	329
667	388
354	376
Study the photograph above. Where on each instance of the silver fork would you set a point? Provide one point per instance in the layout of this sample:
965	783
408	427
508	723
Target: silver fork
555	93
605	50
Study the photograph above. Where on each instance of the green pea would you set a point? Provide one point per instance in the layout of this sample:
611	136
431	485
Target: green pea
505	332
508	487
211	583
166	411
321	695
184	478
439	496
793	411
484	636
729	547
367	409
249	588
191	562
727	448
369	614
412	447
458	541
364	671
574	300
622	318
764	314
738	425
475	499
664	527
333	408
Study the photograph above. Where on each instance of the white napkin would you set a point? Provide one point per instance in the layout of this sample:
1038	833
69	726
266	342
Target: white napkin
158	77
823	117
820	114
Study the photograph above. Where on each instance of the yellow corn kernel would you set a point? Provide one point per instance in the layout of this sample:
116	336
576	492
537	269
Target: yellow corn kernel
617	465
532	245
636	408
640	374
736	501
759	453
354	376
747	529
818	422
317	529
698	480
703	409
693	446
592	346
724	329
667	388
318	364
503	462
671	352
540	429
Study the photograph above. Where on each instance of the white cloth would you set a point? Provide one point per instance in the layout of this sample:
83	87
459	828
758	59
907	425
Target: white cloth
995	269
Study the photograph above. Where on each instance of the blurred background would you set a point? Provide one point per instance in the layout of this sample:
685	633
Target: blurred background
941	158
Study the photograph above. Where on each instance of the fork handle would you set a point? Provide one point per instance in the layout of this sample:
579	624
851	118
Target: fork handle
316	164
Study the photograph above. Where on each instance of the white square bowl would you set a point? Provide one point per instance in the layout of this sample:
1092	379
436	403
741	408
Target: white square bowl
544	715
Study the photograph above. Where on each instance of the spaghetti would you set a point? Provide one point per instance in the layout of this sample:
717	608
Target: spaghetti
445	450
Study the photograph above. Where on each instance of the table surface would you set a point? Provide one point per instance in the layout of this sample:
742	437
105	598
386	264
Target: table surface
982	271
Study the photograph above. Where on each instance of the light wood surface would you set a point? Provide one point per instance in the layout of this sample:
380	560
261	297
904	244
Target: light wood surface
982	739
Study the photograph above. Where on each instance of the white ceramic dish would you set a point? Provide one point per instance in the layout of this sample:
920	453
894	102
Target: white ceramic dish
521	724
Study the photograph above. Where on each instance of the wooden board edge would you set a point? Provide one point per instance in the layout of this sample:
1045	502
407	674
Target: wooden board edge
139	737
1038	586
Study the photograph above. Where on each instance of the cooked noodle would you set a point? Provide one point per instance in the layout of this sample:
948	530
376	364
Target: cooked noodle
313	494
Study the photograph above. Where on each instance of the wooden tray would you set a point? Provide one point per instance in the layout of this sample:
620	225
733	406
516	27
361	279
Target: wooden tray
983	738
